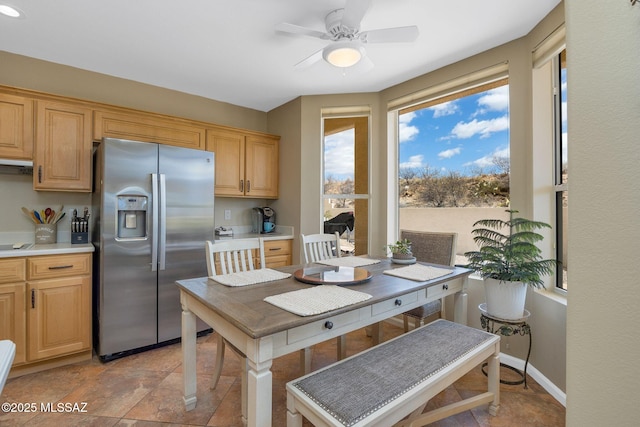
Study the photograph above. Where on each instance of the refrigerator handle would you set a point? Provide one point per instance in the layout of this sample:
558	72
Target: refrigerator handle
154	221
163	221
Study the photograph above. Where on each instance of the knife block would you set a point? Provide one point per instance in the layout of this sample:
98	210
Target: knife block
79	237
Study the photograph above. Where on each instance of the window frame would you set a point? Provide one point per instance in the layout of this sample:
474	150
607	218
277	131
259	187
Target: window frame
560	187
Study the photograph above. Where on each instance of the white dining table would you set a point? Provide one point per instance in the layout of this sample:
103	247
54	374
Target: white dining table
263	332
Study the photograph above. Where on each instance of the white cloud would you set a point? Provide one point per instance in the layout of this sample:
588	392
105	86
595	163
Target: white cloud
446	154
444	109
406	132
484	128
413	162
495	100
487	161
339	154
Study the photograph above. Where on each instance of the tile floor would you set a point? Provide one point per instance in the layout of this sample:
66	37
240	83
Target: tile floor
145	390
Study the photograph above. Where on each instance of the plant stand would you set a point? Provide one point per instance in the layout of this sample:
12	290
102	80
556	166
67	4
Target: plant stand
508	328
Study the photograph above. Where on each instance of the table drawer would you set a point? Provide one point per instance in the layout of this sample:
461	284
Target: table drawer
443	289
47	267
394	303
12	270
322	326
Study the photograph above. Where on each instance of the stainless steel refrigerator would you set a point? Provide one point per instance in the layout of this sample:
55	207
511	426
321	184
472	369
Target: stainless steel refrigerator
154	210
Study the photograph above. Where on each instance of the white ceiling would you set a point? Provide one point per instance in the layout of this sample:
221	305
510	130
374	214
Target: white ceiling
229	51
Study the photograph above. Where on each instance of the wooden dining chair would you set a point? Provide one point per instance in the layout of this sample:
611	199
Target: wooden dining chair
318	247
436	248
226	257
232	256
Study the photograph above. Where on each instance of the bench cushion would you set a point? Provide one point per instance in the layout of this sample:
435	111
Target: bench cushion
356	387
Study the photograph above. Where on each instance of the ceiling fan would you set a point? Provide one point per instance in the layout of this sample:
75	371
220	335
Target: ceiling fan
347	41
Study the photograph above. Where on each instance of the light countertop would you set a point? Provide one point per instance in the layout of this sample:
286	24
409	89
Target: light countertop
52	249
282	232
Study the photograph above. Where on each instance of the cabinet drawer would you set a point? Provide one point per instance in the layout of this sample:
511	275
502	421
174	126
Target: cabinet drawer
46	267
276	261
277	247
394	303
12	270
322	326
443	289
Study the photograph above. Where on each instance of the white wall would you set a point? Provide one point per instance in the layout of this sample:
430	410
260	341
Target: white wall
603	348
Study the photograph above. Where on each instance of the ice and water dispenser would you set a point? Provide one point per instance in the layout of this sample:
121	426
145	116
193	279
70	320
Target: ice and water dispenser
132	217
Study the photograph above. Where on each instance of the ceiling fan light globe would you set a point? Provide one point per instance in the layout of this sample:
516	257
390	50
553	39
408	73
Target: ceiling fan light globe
343	55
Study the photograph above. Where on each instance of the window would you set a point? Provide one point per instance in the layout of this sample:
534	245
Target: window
346	181
453	153
561	166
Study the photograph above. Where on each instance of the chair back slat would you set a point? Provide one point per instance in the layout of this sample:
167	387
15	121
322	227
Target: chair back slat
232	256
318	247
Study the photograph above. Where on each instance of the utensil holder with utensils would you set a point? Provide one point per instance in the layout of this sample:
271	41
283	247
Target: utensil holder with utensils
46	233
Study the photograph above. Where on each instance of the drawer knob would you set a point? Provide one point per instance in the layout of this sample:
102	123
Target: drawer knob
398	302
445	286
328	324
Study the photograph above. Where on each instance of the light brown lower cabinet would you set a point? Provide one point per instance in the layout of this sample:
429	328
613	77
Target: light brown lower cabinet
46	308
277	253
13	321
59	305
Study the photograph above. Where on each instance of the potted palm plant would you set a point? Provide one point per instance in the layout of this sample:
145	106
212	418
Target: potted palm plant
509	260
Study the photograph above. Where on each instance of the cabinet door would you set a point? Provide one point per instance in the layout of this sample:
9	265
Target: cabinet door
59	317
141	127
229	156
13	325
63	147
16	127
261	167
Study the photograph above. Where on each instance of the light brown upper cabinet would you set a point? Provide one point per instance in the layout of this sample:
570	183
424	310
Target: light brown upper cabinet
62	160
148	128
246	164
16	127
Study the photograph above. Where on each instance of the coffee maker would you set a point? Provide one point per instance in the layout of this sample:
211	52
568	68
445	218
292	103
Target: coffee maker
264	220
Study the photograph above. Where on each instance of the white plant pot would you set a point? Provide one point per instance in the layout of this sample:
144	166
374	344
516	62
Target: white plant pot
505	300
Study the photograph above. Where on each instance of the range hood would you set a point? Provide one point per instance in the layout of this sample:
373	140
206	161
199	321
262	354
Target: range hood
16	167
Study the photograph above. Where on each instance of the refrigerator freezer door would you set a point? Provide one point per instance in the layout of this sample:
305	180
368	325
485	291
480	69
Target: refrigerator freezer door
188	223
127	309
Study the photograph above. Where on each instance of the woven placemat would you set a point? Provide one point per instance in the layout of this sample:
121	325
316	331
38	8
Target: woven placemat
316	300
251	277
419	272
348	261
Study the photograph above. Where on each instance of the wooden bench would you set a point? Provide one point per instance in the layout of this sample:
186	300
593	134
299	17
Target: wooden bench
386	383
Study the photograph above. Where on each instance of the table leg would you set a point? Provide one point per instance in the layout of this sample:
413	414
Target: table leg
189	358
259	391
460	307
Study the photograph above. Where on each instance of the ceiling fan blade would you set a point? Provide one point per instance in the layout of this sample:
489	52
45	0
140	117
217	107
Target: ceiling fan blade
309	61
298	30
354	11
390	35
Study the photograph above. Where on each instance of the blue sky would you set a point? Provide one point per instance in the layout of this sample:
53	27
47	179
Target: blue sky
460	135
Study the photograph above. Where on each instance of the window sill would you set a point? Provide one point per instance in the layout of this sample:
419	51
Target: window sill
547	293
552	295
